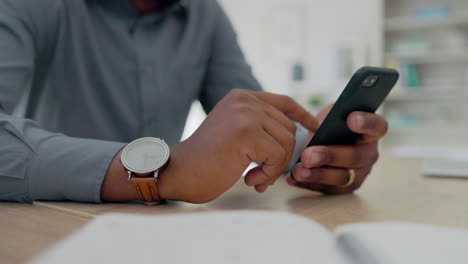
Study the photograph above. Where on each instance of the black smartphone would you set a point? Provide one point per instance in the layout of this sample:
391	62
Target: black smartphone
366	91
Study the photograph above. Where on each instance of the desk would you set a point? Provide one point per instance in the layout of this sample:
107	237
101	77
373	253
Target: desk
25	230
394	192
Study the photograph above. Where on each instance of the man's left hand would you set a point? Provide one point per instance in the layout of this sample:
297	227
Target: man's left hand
327	169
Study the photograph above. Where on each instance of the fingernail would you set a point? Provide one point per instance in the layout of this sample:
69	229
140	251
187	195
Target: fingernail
303	174
315	158
366	122
300	175
361	121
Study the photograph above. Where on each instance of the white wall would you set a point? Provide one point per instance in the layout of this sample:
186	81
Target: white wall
328	24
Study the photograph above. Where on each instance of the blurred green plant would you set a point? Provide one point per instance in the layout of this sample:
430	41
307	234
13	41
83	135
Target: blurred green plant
315	102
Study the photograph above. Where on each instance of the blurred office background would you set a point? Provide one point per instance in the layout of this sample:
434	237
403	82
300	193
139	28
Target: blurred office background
308	49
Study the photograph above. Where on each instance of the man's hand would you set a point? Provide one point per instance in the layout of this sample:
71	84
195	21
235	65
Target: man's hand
326	168
244	127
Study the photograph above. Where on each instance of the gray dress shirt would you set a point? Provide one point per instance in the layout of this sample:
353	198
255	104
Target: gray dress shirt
93	74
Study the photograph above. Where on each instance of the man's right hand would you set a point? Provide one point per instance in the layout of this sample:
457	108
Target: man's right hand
244	127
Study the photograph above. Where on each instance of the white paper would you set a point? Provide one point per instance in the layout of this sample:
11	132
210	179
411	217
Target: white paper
222	237
396	243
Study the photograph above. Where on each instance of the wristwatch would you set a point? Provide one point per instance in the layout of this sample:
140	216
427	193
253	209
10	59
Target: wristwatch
143	159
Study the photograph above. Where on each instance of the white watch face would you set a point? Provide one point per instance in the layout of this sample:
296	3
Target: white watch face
145	155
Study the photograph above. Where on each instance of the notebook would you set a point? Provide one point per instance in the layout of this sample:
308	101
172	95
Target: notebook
254	237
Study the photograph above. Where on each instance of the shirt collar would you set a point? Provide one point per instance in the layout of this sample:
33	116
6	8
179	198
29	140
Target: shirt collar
124	7
177	4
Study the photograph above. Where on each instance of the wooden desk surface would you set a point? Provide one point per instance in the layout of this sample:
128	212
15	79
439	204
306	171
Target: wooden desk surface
25	230
395	191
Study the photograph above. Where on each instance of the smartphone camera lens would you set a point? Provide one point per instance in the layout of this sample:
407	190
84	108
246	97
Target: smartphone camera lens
370	81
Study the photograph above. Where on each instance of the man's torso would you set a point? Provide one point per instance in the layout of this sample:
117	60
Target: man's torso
105	72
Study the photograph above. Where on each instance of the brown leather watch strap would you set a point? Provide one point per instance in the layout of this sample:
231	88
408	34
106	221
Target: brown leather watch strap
146	189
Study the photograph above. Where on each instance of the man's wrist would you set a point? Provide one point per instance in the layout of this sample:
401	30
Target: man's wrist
116	187
166	188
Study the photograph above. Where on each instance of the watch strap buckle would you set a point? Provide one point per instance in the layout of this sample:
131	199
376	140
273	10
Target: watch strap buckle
146	189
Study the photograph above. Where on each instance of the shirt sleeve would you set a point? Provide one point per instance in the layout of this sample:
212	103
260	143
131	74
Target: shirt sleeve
36	164
227	66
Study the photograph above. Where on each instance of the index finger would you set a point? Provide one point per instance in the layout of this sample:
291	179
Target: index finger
290	108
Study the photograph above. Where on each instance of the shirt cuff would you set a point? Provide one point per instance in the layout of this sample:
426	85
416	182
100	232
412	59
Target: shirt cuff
66	168
302	135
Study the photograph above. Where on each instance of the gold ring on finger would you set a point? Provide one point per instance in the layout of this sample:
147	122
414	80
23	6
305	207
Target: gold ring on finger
351	179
